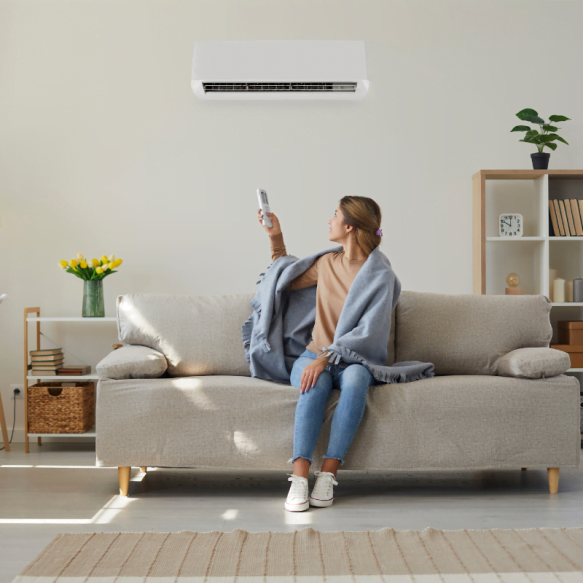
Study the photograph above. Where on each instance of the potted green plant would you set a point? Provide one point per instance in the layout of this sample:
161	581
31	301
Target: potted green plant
545	137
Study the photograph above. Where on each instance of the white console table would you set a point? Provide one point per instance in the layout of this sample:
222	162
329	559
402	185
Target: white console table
28	377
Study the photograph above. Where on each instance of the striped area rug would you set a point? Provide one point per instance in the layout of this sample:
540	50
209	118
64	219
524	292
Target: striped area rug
308	556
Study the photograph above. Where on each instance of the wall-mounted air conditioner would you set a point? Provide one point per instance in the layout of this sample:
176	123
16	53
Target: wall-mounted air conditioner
279	69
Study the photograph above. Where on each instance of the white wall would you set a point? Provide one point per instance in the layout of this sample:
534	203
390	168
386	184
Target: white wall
104	149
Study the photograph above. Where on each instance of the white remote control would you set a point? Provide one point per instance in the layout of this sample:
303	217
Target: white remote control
264	206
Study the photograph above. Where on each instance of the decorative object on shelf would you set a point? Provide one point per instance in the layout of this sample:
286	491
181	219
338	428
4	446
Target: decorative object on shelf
510	225
513	279
577	290
61	407
545	138
569	292
552	277
92	272
559	290
570	332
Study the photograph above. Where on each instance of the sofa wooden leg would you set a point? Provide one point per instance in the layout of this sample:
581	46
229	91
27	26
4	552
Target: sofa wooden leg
553	480
524	469
124	480
143	469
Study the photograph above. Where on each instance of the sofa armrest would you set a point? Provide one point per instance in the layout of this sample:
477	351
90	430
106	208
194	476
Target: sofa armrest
533	363
132	362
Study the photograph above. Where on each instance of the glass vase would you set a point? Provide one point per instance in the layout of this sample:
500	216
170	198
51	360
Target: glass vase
93	305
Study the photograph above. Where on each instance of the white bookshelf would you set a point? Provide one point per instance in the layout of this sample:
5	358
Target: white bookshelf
531	256
28	319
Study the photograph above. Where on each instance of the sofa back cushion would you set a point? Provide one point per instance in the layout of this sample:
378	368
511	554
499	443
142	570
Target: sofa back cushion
198	335
465	333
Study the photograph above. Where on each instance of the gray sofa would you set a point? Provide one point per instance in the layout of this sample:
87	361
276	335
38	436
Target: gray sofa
179	393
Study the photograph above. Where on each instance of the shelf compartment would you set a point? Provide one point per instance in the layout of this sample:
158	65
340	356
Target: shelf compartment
525	259
568	263
526	197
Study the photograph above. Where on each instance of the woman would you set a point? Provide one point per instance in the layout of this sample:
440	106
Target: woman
356	226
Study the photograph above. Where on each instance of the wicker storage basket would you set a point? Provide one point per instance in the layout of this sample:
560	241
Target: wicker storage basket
61	407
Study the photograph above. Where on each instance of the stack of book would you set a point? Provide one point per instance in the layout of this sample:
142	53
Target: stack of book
46	362
565	217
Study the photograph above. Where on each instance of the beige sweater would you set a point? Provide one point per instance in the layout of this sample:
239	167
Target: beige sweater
333	274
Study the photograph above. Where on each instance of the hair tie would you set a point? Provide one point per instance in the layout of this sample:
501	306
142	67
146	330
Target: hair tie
379	232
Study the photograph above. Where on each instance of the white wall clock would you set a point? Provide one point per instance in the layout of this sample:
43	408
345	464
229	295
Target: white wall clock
510	225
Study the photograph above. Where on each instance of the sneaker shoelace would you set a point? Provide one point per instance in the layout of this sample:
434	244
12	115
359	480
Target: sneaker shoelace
323	485
298	486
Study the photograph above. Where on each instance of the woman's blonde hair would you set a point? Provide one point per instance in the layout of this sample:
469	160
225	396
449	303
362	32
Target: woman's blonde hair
364	214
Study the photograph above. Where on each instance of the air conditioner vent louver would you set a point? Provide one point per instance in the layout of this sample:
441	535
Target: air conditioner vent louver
311	87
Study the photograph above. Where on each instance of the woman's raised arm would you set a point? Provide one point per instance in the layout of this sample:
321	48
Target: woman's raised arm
306	279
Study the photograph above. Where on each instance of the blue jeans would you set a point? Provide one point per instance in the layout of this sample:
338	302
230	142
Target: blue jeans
353	381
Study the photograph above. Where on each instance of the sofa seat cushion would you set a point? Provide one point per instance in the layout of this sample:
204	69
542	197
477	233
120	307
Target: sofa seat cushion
467	334
445	422
533	363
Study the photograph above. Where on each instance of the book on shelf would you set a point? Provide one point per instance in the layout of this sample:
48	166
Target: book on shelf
49	358
563	212
74	371
576	216
44	373
569	217
566	217
45	351
53	367
561	232
553	225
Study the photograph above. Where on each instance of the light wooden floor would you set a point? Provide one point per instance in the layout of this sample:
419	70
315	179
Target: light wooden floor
38	501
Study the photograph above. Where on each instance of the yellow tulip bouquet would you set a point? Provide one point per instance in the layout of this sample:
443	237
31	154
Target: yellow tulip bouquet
92	272
94	269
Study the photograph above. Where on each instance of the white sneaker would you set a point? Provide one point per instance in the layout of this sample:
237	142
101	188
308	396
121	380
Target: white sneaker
323	493
297	499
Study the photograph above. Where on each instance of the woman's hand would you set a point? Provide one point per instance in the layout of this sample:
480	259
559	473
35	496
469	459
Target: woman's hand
311	373
273	230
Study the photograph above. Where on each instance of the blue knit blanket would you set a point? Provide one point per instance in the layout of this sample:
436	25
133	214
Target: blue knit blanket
280	326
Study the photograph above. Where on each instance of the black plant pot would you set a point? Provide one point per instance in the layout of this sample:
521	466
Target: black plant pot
540	160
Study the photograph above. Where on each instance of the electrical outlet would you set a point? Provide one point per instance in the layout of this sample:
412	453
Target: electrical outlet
20	387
